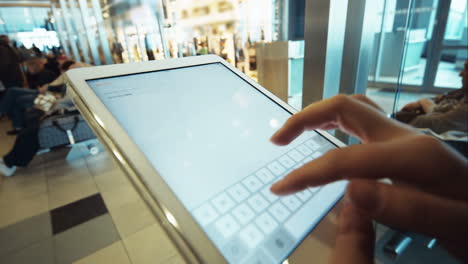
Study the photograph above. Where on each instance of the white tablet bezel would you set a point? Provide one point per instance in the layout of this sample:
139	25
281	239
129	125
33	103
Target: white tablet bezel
188	236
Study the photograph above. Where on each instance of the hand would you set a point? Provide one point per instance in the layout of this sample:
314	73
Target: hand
427	105
42	89
411	107
429	193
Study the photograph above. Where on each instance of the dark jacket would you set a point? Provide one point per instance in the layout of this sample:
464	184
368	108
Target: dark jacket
10	71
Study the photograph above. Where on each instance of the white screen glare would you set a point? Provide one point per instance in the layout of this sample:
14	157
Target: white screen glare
206	131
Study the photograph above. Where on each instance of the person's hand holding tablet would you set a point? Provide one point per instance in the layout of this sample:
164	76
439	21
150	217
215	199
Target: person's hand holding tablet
429	193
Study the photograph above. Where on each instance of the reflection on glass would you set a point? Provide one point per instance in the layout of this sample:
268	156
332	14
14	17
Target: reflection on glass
455	39
448	75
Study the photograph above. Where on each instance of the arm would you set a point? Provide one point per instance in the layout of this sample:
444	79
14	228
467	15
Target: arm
418	166
454	119
427	105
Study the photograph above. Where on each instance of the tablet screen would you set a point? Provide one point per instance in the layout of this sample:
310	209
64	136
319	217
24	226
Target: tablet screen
206	131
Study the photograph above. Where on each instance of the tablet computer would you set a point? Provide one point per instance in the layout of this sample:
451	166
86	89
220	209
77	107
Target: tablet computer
193	135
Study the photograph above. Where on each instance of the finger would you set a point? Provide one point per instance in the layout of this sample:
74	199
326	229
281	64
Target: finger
410	209
354	242
350	115
385	160
366	100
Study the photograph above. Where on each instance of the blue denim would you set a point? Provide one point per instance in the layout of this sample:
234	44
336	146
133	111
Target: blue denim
15	101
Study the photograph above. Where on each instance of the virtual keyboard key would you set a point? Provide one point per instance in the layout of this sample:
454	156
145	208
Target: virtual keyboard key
238	192
227	226
205	214
243	213
296	155
312	144
257	202
317	154
314	190
265	175
279	243
304	195
252	183
308	159
234	251
276	168
269	195
251	236
291	202
223	203
287	162
279	212
304	150
266	223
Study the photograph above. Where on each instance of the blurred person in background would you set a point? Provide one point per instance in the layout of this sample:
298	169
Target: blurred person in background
10	70
27	142
52	64
17	100
447	112
36	68
36	50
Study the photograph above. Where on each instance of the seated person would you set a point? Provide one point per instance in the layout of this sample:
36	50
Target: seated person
27	142
443	113
16	100
36	69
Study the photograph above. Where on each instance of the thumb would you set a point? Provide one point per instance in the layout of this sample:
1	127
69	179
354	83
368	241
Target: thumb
355	238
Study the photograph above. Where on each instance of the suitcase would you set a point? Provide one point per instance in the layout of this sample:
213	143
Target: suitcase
64	130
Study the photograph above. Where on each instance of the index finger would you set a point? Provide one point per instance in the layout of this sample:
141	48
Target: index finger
348	114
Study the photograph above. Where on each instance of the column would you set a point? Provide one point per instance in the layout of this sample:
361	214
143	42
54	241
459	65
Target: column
59	23
82	41
102	31
90	31
69	30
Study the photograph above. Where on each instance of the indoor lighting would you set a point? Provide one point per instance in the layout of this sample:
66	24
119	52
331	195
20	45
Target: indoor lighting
171	219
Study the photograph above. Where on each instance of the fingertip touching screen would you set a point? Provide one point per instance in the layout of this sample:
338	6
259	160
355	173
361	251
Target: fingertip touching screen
206	131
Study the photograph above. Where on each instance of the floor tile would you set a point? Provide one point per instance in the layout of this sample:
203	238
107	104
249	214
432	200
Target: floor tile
65	192
149	245
76	213
67	171
112	179
84	239
25	233
113	254
13	211
39	253
101	163
119	196
132	217
23	185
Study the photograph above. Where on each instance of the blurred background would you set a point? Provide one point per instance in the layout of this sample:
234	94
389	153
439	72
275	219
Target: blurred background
372	47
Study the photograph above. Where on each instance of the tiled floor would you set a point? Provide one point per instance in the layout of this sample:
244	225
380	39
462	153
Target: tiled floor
79	211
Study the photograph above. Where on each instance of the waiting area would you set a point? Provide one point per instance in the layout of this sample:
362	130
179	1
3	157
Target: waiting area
240	131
